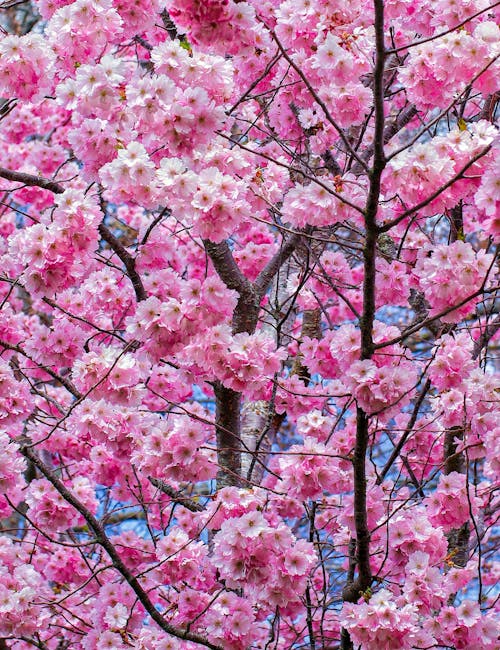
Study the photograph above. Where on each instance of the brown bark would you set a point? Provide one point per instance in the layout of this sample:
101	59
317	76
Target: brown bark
245	319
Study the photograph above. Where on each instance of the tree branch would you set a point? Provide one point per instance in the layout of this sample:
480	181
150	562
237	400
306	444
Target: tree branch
246	312
31	180
434	37
62	380
490	331
418	326
392	128
227	269
96	527
126	258
228	432
409	428
245	317
46	184
353	589
434	195
319	101
267	274
176	496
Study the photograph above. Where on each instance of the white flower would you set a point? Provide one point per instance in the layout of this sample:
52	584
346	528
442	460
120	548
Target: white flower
116	617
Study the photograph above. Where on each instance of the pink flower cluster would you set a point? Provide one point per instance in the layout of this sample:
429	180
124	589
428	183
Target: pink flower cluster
424	584
482	391
315	425
94	92
212	22
410	531
22	588
138	16
60	565
232	503
253	257
231	622
243	362
381	622
12	467
101	422
174	450
56	346
466	627
422	170
103	298
27	67
453	502
167	325
53	256
167	384
213	202
377	385
310	469
16	403
424	449
129	175
217	206
450	275
110	374
183	560
452	361
48	509
487	198
265	559
438	70
95	142
316	203
113	610
70	21
175	120
194	69
292	397
394	283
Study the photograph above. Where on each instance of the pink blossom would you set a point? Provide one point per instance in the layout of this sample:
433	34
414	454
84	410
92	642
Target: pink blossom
453	502
27	67
451	275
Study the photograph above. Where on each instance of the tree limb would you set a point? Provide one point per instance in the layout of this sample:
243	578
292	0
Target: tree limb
267	274
490	331
118	563
176	496
31	180
56	188
126	258
409	428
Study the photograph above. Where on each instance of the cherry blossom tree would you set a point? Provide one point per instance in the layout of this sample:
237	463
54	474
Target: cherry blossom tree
248	323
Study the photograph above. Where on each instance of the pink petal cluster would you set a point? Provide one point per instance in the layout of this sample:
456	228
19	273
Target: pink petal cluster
381	622
175	450
266	559
309	469
27	67
71	20
451	276
48	509
12	467
214	21
16	402
22	588
453	502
